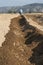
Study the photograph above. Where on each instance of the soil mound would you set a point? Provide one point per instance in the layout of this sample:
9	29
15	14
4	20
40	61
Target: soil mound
23	44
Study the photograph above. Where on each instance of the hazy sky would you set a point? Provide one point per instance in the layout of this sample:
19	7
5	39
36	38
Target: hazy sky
18	2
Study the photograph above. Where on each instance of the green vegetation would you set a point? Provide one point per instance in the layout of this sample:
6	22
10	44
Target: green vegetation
11	11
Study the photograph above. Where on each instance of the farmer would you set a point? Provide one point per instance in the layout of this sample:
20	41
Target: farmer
21	11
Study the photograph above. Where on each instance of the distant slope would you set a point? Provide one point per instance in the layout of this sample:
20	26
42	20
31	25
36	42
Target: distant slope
34	7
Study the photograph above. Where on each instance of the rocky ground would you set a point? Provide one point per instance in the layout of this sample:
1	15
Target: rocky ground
23	44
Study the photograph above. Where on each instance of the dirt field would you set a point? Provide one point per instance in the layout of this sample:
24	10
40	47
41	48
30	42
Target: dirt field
23	41
5	20
36	17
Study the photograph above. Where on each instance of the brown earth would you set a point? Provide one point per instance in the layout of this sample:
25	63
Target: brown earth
5	20
23	44
36	17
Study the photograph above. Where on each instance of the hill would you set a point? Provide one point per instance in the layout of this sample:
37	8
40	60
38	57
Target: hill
34	7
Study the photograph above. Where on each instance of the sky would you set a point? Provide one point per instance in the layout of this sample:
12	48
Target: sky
18	2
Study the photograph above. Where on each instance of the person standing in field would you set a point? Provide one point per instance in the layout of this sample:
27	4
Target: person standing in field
21	11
